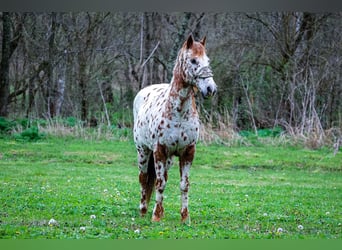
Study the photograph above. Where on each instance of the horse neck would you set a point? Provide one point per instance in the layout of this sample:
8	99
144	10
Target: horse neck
181	99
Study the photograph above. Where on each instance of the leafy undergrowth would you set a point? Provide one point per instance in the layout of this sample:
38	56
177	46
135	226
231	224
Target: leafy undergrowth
68	188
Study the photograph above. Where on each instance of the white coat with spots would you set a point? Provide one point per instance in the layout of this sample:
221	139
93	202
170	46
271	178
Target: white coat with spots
166	124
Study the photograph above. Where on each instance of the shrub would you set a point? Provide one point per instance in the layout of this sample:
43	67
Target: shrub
268	132
30	134
70	121
6	126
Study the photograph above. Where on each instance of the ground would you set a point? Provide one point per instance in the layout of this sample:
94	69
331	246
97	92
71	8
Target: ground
71	188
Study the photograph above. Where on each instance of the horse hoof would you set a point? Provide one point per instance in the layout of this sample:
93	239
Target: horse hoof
143	211
155	219
186	220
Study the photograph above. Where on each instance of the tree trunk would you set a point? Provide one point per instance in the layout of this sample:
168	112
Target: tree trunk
51	88
179	40
83	87
4	66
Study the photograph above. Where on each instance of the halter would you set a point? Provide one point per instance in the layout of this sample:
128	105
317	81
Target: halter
204	73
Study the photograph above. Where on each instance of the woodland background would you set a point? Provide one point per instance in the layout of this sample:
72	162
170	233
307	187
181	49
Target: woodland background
275	69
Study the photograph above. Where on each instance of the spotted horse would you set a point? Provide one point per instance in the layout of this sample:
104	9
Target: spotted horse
166	124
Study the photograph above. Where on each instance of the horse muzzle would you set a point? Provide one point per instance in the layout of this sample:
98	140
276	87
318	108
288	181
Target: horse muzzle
207	87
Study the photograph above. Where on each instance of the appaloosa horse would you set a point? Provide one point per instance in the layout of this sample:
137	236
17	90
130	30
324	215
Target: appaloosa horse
166	124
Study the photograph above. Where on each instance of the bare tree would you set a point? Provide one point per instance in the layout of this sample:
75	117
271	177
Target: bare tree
273	69
10	41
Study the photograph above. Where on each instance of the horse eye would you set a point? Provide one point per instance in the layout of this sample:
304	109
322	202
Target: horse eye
194	61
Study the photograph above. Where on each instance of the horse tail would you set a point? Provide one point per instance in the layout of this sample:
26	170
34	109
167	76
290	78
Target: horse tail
151	178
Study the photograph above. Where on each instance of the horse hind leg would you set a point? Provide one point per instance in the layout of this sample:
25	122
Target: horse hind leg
161	179
147	179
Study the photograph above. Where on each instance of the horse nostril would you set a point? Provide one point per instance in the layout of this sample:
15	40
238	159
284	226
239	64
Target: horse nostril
209	89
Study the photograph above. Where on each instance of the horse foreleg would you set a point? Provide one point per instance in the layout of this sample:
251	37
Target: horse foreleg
184	187
185	164
158	211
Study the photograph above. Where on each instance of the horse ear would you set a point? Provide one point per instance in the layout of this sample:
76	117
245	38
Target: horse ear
203	40
189	42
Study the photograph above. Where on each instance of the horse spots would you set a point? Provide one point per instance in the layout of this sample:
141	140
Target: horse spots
184	213
158	212
159	184
153	136
143	210
142	177
185	185
188	154
165	176
184	138
160	153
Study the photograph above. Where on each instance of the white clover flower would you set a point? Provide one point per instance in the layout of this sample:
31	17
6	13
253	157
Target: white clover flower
327	213
52	222
82	228
265	214
300	227
105	190
280	230
93	216
133	219
137	231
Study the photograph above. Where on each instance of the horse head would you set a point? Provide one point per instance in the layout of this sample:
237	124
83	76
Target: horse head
196	67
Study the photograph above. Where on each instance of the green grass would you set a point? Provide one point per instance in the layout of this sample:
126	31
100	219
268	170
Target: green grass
236	192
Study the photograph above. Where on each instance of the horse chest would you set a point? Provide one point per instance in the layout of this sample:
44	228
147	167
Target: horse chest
177	135
170	122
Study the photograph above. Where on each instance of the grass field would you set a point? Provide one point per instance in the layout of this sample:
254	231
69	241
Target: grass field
73	188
